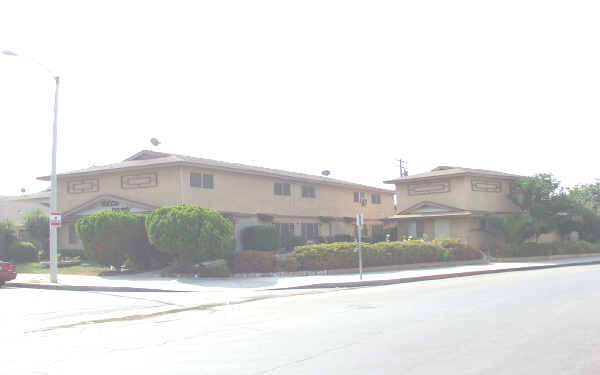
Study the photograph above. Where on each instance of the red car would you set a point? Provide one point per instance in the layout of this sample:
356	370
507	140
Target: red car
7	272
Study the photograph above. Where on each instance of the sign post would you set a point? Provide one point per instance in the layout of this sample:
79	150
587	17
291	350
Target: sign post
359	224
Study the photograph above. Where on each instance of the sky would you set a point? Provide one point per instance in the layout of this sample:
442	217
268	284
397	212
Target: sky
347	86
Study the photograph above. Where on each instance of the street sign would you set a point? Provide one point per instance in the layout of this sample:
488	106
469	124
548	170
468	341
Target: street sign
55	219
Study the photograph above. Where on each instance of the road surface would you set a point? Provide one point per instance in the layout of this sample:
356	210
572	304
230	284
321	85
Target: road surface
535	322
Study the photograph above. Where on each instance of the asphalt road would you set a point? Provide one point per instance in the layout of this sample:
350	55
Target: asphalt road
535	322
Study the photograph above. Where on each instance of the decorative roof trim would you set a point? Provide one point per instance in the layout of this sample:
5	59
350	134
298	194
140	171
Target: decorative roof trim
99	198
413	208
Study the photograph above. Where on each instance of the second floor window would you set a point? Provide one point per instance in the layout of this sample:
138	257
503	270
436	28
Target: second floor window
375	198
202	180
359	196
281	188
309	192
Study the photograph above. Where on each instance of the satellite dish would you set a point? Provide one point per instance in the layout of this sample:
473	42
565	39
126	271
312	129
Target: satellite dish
326	173
154	142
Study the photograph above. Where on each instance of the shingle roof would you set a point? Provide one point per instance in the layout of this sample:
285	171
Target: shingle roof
451	172
40	195
149	159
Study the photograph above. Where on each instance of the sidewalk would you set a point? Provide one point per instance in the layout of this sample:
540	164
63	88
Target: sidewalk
152	282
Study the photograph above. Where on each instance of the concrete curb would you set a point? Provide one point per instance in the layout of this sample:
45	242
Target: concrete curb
349	284
543	257
87	288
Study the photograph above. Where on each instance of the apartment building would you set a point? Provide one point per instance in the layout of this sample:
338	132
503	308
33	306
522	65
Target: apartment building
453	202
298	204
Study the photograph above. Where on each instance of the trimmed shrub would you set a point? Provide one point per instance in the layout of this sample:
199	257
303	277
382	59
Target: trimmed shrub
22	252
190	233
251	261
296	241
104	237
532	249
261	237
290	264
343	238
112	238
345	255
457	250
214	270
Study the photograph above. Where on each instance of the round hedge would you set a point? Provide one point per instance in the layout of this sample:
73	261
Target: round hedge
191	233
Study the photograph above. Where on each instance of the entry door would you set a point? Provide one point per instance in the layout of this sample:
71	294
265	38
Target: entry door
442	228
416	228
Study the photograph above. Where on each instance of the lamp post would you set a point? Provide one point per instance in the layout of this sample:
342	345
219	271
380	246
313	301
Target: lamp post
53	184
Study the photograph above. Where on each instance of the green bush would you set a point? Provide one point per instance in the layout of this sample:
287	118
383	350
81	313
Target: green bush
8	236
214	270
343	238
261	237
345	255
457	250
72	253
251	261
22	252
38	227
112	238
191	233
289	264
532	249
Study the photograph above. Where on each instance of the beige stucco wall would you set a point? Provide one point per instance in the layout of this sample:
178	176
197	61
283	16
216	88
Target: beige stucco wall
461	195
16	211
166	193
234	192
489	201
456	197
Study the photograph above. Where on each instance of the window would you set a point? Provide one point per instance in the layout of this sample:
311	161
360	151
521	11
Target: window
359	196
202	180
286	233
308	192
416	228
208	181
73	237
281	188
310	231
375	198
376	230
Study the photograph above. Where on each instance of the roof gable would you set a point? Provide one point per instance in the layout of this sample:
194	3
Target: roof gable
147	154
428	207
109	202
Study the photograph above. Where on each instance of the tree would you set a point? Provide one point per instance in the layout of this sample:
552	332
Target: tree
515	229
37	225
539	198
191	233
587	195
8	236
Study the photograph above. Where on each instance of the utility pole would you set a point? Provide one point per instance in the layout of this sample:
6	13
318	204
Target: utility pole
403	171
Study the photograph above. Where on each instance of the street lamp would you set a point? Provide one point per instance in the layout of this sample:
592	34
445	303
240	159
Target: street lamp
53	184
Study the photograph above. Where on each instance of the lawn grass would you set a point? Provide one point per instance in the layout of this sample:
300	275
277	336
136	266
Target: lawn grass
85	268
